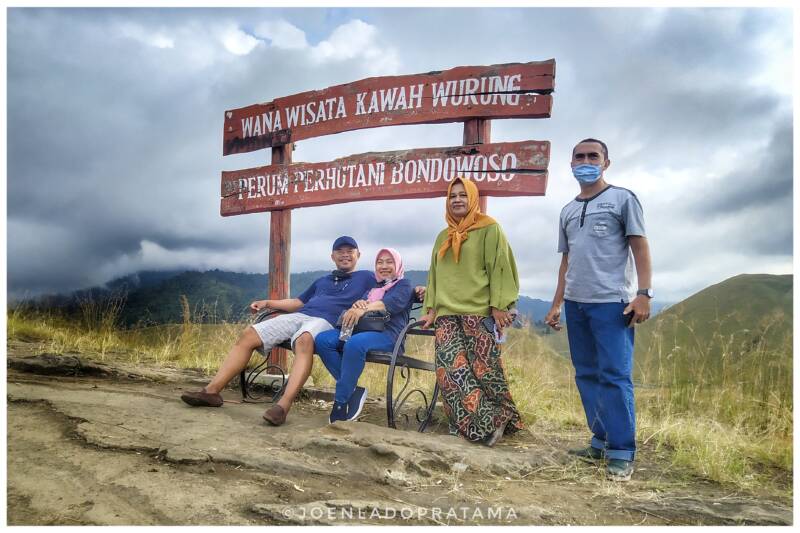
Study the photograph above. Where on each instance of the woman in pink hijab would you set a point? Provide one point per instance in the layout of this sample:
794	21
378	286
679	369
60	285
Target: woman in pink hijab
345	361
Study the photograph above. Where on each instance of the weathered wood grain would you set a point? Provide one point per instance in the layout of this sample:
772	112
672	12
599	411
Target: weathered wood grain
500	169
280	245
514	90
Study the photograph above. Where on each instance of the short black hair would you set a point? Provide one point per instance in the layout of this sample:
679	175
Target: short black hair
598	141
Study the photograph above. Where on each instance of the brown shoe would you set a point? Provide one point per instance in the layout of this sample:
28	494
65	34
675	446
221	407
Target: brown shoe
275	415
201	398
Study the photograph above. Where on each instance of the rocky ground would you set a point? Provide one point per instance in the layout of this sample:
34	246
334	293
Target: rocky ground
112	444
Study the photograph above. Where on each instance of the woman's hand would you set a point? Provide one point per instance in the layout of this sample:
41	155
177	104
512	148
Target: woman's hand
419	292
360	304
351	317
427	319
502	319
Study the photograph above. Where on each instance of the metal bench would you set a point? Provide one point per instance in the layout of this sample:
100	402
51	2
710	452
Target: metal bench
400	370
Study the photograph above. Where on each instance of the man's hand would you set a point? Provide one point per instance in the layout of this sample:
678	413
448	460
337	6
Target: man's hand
640	307
553	317
502	319
419	290
257	306
351	317
427	319
360	304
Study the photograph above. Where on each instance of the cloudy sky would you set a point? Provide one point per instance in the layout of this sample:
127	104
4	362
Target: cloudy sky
115	133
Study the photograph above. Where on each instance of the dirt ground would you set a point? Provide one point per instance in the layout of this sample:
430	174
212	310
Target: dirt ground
112	444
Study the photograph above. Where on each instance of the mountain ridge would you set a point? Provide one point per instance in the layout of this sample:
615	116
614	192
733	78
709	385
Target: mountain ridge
155	297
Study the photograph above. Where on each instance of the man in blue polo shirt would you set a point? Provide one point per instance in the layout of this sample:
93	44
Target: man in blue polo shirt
601	238
311	313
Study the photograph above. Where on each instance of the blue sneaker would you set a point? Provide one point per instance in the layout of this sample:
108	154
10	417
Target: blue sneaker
351	409
339	412
356	403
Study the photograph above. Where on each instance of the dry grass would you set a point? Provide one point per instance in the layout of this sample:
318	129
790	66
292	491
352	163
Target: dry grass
731	425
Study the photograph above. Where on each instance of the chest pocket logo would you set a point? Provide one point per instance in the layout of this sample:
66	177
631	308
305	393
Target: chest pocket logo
600	228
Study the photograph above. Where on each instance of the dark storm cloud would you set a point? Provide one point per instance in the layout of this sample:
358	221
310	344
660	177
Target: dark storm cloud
762	183
756	198
114	126
114	142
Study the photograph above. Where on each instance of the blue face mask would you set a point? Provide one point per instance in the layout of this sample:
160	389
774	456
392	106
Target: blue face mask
586	174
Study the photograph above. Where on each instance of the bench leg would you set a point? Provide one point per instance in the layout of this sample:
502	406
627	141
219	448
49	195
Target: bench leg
394	405
247	380
431	407
389	398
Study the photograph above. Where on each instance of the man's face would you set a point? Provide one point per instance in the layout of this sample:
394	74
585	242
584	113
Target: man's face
589	154
345	258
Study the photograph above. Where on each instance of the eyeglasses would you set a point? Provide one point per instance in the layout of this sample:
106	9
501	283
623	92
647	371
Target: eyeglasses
344	251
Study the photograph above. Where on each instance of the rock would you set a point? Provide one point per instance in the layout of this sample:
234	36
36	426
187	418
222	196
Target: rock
384	450
184	455
459	468
57	365
499	469
396	477
436	463
727	511
332	444
337	428
533	513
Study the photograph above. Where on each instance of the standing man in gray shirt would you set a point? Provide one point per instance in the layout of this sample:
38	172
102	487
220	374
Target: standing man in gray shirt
601	237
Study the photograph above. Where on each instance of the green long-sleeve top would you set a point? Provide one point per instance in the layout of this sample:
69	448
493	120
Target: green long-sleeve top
485	276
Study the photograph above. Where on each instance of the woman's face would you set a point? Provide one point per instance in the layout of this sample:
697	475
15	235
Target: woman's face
457	201
384	266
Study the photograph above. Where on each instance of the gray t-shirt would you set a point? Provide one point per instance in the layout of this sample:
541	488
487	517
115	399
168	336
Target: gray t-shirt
594	232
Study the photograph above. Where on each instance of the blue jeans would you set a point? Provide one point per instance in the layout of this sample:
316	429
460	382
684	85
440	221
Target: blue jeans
346	363
601	346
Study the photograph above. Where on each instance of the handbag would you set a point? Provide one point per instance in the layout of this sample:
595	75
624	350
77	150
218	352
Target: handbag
371	321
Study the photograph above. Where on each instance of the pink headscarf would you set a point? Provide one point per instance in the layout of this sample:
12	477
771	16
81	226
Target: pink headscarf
378	292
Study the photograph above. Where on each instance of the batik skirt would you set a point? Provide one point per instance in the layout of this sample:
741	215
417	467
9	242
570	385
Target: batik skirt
472	379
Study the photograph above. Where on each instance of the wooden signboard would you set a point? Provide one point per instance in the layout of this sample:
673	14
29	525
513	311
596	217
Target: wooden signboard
514	90
503	169
473	95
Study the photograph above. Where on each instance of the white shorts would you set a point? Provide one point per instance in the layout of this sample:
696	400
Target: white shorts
288	327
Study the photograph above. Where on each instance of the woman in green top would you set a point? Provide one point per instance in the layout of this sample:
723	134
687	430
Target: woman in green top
472	276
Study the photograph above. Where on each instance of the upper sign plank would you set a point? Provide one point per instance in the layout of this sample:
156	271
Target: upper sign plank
461	93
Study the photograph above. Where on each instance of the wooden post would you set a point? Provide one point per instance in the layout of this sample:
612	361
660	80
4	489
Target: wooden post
280	241
478	131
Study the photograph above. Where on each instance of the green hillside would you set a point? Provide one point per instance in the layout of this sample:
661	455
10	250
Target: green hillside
744	313
212	296
739	317
725	352
218	295
731	342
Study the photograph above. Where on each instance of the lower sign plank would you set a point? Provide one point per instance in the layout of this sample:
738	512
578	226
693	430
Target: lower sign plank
500	169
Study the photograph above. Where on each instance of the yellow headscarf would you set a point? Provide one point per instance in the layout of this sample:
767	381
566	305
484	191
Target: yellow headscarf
474	219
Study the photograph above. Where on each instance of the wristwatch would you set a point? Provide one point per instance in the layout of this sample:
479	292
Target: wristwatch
645	292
